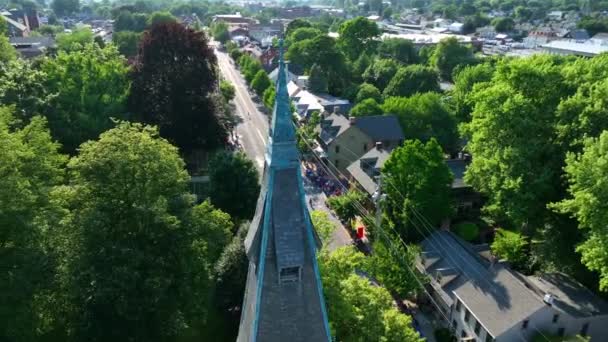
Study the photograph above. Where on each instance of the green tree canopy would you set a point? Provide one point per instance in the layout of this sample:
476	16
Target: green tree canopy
417	182
7	51
425	116
22	85
220	33
227	90
504	24
128	21
65	7
302	33
366	107
3	27
464	81
449	54
269	95
126	42
380	72
30	165
412	79
586	173
136	255
175	85
76	40
91	87
296	24
358	36
401	50
317	81
511	246
368	91
160	17
234	184
260	82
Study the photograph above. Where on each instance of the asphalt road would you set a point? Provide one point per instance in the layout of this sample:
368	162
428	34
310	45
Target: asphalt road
253	128
253	135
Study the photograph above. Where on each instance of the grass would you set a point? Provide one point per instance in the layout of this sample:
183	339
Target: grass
467	231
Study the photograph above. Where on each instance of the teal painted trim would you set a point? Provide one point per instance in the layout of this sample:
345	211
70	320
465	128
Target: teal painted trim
262	255
313	250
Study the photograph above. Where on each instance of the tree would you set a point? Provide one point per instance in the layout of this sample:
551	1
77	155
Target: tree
175	86
234	184
504	24
220	32
401	50
30	165
387	13
260	82
136	253
76	40
320	50
127	21
412	79
368	91
323	226
511	135
593	25
417	182
464	81
358	310
227	90
346	204
230	272
449	54
65	7
302	33
367	107
3	27
380	72
90	87
126	42
586	173
296	24
22	86
7	51
160	18
317	81
511	246
392	266
269	97
358	36
425	116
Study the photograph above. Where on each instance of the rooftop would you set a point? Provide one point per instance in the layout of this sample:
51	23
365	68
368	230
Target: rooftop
493	294
587	49
368	166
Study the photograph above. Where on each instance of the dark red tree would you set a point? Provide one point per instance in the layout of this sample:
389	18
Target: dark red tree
175	86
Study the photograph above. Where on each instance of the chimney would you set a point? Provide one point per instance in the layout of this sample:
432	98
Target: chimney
336	109
549	299
352	120
379	145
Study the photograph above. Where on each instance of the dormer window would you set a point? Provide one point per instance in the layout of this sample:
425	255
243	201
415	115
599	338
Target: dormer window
290	274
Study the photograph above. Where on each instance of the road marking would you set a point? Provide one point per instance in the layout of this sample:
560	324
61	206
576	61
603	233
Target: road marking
261	136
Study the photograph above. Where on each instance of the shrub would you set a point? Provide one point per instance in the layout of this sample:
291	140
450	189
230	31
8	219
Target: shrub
466	230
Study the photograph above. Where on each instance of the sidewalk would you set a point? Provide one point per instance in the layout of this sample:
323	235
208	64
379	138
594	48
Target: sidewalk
317	197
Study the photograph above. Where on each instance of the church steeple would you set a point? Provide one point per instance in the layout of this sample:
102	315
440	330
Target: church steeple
283	298
282	147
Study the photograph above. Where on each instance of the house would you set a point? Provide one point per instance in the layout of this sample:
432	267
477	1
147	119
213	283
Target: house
579	35
238	31
232	19
30	47
366	169
15	28
345	140
274	74
555	15
601	38
463	194
487	301
455	27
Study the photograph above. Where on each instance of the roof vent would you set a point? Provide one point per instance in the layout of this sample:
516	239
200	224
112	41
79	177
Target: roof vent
549	299
379	145
352	120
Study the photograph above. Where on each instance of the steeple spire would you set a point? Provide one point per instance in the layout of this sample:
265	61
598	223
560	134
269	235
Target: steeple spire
283	298
282	147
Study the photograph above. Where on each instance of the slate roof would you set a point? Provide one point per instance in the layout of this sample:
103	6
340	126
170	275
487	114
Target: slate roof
494	294
380	127
332	126
570	296
457	167
367	167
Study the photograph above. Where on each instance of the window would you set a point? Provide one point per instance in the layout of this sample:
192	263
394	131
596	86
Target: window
524	325
458	306
364	147
560	331
584	329
455	324
555	318
290	274
337	148
463	333
337	163
467	316
477	328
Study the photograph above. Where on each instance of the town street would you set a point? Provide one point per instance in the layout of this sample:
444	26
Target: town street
253	132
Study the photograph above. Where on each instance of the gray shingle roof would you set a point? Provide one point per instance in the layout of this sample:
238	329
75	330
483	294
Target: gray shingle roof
494	295
332	126
380	127
364	168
